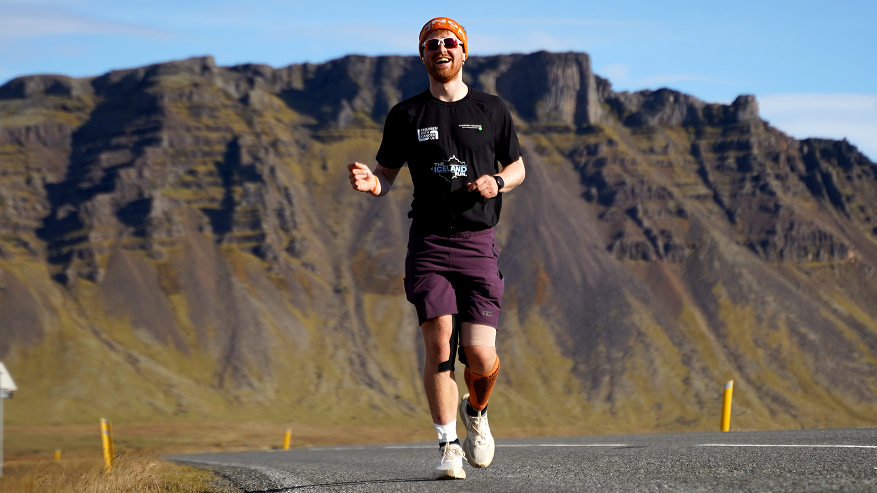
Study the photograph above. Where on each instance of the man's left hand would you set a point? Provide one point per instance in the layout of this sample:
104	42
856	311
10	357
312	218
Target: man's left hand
486	186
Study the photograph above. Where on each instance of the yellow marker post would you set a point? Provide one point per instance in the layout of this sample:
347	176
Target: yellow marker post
287	438
726	406
106	433
57	454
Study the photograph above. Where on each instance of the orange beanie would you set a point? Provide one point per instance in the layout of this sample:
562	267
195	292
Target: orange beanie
443	23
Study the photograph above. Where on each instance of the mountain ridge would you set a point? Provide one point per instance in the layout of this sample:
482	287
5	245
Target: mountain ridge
191	228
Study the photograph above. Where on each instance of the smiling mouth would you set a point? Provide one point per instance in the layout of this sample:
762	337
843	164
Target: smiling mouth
443	60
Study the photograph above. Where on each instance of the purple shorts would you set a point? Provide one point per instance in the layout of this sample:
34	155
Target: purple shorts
454	274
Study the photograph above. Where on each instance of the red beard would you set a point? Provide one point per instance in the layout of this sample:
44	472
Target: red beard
444	73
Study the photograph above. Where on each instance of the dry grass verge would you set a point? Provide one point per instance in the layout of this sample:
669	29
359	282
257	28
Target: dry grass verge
40	442
139	471
29	467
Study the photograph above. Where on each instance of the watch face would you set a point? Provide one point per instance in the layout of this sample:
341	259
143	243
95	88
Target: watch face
499	181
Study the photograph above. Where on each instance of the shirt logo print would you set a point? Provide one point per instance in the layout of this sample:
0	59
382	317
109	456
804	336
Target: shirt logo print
470	126
428	133
451	168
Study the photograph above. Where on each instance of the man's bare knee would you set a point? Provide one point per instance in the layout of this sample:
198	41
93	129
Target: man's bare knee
436	339
480	358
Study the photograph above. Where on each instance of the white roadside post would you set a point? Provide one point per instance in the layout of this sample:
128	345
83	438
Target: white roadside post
7	388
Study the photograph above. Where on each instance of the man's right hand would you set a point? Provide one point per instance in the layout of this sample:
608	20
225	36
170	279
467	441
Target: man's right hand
361	178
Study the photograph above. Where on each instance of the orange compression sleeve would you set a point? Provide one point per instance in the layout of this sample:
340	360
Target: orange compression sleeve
480	386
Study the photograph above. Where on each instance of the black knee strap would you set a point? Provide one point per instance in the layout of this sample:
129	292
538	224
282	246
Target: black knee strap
455	340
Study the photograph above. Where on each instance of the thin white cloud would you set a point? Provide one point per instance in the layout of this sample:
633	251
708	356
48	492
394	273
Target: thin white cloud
832	116
536	21
26	22
671	78
617	73
21	53
564	34
358	38
529	42
48	3
863	104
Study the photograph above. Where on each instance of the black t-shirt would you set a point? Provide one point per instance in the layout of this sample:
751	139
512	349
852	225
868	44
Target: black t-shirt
446	146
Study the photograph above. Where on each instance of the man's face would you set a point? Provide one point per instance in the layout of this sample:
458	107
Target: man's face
443	64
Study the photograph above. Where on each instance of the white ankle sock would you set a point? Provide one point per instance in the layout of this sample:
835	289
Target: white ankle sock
446	433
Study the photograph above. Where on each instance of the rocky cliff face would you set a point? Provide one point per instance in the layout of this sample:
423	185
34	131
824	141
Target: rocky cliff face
185	235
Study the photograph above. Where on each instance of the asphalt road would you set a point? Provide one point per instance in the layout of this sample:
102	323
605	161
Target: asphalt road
794	461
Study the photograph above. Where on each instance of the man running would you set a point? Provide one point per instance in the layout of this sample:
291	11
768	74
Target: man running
451	137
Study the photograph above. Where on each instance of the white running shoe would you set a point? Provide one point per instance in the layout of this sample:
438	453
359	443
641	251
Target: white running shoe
450	466
478	445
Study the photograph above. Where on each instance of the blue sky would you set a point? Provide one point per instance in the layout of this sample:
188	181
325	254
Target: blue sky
812	65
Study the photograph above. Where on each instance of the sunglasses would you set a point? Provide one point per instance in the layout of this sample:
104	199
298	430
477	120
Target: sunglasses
433	44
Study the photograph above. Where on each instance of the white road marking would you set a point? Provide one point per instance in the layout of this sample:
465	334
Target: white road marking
498	445
610	445
335	448
783	445
566	445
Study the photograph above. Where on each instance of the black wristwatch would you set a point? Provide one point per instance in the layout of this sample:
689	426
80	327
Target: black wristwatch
499	182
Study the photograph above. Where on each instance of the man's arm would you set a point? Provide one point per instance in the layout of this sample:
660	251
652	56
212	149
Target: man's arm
512	174
377	182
